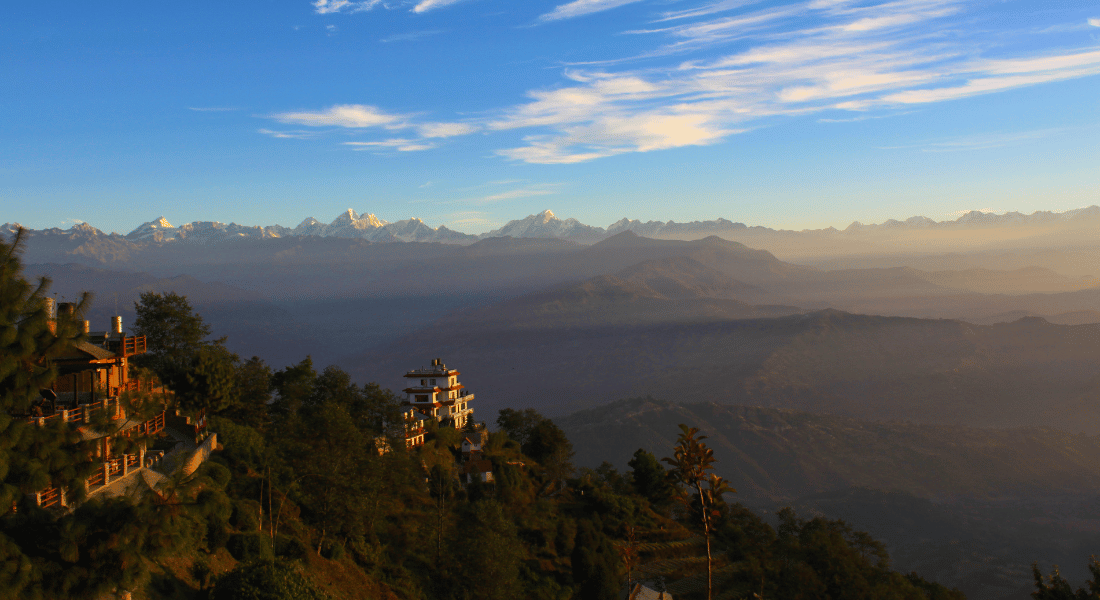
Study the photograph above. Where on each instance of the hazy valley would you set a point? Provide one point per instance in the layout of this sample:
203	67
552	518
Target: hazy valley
959	380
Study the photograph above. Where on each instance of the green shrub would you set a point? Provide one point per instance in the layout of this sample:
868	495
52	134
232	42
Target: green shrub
214	504
246	515
217	534
332	551
263	580
290	547
247	547
218	473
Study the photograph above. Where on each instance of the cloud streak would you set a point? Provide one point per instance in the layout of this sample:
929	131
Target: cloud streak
426	5
739	65
325	7
398	144
411	36
980	141
579	8
343	115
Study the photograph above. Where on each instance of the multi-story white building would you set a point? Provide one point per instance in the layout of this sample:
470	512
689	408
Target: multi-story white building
435	392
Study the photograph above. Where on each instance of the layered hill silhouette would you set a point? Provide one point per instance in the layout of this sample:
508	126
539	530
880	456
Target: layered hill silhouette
1030	372
703	319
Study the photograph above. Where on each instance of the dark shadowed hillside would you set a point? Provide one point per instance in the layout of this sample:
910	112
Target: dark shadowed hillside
1030	372
972	507
783	454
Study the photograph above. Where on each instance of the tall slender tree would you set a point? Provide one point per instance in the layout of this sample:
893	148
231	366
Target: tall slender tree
691	459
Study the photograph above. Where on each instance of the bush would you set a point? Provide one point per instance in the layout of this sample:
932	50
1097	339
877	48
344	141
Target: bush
247	547
290	547
214	504
263	580
332	551
218	473
217	534
243	445
246	516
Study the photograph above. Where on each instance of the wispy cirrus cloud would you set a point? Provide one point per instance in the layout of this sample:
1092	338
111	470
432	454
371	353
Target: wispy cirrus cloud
364	117
717	68
980	141
325	7
299	134
579	8
444	130
343	115
529	191
426	5
467	219
410	36
395	144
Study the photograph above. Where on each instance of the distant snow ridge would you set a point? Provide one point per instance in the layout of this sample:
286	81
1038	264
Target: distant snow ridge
348	224
160	230
546	225
352	225
977	218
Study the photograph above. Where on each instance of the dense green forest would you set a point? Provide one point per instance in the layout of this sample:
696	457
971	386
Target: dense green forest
299	501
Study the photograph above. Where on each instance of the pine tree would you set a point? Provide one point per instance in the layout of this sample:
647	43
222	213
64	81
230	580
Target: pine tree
171	328
31	457
650	480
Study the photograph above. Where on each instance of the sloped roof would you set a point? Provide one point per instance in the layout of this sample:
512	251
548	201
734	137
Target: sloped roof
83	349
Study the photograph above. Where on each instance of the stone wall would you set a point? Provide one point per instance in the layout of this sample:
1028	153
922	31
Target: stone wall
200	454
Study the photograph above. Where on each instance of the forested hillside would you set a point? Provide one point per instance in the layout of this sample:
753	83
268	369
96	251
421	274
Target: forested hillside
303	500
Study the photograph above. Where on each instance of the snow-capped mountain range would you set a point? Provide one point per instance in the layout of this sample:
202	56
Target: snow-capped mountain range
350	224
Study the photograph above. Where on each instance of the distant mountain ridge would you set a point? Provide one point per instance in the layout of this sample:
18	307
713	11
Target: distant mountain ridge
350	224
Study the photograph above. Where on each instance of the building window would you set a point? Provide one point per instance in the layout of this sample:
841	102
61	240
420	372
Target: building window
423	382
433	382
421	398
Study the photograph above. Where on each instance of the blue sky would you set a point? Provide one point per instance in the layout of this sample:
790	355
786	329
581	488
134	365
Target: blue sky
469	113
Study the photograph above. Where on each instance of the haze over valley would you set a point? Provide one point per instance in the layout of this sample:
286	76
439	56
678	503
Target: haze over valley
850	369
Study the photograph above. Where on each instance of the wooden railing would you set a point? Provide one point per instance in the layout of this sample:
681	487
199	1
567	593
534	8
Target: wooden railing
49	497
133	345
96	478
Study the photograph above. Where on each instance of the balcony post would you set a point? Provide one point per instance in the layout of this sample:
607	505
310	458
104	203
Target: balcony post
106	472
65	415
125	465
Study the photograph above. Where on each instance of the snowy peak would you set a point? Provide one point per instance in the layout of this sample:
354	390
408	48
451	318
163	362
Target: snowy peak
350	224
158	229
353	220
546	225
366	226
